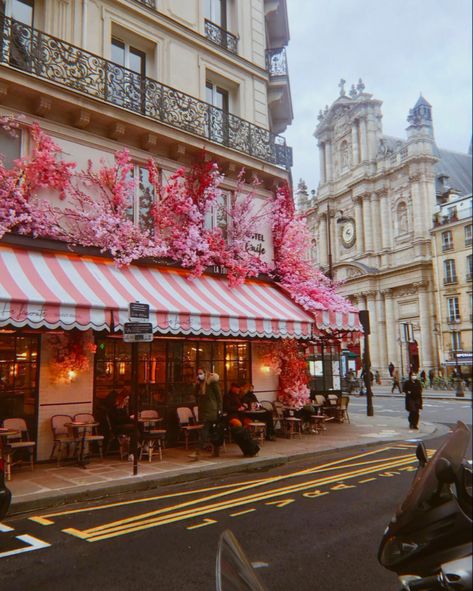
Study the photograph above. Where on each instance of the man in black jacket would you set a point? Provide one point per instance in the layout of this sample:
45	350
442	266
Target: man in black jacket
413	391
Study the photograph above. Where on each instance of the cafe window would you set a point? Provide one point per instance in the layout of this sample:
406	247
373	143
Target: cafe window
167	368
324	367
19	369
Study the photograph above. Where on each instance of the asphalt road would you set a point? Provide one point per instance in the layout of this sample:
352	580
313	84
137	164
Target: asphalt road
309	526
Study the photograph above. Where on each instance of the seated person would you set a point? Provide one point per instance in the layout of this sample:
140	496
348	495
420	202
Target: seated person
232	404
118	414
250	402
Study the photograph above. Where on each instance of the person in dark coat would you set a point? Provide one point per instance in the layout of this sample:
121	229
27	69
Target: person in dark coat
209	401
413	391
249	400
232	403
391	368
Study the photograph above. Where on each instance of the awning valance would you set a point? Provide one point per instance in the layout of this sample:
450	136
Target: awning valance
60	290
331	321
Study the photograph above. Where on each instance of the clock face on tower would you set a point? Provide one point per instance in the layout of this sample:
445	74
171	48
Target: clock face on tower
348	234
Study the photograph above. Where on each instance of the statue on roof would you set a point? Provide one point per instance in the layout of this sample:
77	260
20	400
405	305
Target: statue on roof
360	86
341	85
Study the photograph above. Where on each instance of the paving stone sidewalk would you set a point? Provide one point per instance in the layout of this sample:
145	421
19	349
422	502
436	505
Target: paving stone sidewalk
48	486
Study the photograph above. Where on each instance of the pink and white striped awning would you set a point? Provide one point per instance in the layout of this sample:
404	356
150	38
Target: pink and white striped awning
58	290
332	321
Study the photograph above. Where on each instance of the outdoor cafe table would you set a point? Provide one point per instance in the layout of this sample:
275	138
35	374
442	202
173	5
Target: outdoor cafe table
4	434
79	429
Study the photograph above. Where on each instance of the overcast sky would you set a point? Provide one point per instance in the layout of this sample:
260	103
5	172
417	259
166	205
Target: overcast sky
398	47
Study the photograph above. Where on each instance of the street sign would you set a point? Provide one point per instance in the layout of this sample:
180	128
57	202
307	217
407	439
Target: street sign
138	312
137	332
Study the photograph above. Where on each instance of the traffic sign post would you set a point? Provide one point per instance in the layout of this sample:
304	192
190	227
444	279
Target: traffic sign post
139	330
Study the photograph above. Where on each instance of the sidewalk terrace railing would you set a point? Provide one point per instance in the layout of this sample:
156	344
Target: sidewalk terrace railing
276	62
221	37
52	59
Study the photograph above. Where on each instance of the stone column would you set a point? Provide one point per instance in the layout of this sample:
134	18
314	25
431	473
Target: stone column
375	222
374	337
367	228
328	161
392	349
354	142
359	244
323	177
418	212
323	258
385	216
381	328
426	327
363	141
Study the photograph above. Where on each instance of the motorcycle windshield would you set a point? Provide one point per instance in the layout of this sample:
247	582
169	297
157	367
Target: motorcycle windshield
425	483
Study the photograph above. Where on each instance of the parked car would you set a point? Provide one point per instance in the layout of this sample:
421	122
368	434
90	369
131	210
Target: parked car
5	494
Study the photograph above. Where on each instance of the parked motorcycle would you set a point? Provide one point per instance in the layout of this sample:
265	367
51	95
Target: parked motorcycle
427	543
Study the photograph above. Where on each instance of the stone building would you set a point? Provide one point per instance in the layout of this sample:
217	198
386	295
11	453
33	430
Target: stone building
165	79
371	220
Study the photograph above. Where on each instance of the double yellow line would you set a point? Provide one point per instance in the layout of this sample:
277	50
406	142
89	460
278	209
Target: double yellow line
188	510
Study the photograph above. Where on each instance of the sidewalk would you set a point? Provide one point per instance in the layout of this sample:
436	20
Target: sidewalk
427	393
49	486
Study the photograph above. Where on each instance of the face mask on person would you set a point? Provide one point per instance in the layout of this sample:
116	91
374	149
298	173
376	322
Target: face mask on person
201	376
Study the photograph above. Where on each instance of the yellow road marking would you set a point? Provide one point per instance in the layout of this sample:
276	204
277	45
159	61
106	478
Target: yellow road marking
366	480
315	493
242	512
43	519
204	524
116	529
342	486
281	504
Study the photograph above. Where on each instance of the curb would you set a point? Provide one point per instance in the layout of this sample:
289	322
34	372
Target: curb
424	397
98	492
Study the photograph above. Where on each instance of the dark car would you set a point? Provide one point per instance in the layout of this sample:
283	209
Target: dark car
5	494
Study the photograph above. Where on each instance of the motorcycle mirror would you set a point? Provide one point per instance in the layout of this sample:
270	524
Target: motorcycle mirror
444	471
233	569
421	454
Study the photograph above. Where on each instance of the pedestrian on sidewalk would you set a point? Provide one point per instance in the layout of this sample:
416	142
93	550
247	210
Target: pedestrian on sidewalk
209	400
431	377
396	381
377	377
391	368
413	391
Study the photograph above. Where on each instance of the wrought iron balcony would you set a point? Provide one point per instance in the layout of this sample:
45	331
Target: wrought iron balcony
276	62
450	280
52	59
221	37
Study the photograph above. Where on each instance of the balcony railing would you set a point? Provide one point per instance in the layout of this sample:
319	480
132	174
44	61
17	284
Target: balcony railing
52	59
447	246
450	280
221	37
453	320
276	62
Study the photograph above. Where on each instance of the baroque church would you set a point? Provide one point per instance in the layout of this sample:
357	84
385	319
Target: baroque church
371	220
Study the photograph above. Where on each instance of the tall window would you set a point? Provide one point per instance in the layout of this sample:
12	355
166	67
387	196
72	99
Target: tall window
216	11
447	240
19	369
218	117
468	235
219	216
469	267
139	210
10	147
125	82
456	340
449	270
453	310
21	11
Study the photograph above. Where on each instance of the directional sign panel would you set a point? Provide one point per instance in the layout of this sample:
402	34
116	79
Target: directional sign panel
138	311
135	332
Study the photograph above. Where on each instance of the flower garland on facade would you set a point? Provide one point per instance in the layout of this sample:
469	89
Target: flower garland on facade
70	354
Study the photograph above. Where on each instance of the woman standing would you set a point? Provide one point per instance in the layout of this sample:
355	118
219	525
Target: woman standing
209	400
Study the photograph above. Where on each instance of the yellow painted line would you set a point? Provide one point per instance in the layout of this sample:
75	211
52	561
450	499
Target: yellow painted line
242	512
366	480
75	532
281	504
194	502
314	494
204	524
43	519
95	536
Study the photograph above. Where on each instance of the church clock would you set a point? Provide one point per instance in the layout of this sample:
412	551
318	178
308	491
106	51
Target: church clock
348	234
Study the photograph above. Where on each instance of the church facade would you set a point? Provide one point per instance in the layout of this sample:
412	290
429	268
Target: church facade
371	221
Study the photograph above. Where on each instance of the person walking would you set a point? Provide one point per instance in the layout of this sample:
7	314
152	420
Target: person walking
431	378
209	400
396	381
391	368
413	391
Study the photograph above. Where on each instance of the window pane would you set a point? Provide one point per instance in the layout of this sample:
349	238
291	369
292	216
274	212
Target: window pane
22	11
9	148
146	199
137	61
118	52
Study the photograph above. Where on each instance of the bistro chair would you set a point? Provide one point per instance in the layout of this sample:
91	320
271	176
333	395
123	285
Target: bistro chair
331	405
17	442
292	426
62	437
278	415
187	423
258	431
341	412
152	438
91	434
